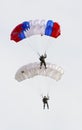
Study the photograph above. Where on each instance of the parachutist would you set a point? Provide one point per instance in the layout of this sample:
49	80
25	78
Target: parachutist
45	101
42	60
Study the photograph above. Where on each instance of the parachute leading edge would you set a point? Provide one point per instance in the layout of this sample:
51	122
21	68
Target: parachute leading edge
33	69
36	27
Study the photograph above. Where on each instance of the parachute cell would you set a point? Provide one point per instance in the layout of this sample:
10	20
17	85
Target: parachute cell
55	30
33	69
35	27
49	26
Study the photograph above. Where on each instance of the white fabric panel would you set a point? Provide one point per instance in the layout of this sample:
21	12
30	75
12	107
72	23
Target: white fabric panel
37	27
30	70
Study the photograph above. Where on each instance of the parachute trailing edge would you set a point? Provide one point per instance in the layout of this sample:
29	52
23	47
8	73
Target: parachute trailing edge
33	69
35	27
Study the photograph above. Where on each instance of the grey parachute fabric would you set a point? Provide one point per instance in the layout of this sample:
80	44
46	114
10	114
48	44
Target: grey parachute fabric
33	69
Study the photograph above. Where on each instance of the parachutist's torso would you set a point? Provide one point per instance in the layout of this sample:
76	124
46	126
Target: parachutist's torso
42	58
45	99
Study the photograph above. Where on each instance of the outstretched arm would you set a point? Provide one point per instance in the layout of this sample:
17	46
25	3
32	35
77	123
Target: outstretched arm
48	96
45	55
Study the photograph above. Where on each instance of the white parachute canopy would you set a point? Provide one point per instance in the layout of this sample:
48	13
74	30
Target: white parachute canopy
33	69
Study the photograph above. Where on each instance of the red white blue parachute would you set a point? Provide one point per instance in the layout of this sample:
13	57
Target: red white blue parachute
35	27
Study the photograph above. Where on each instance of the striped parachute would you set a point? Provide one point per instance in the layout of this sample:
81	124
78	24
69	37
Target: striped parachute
35	27
33	69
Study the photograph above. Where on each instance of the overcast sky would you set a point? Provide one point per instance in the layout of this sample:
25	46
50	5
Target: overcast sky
21	103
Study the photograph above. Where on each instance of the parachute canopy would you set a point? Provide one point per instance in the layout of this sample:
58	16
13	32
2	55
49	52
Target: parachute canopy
35	27
33	69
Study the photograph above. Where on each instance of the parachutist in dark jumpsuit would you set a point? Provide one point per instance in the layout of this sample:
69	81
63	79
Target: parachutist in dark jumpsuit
45	101
42	60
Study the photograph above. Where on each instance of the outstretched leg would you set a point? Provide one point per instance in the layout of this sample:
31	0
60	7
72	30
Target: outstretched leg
45	65
47	106
40	65
44	106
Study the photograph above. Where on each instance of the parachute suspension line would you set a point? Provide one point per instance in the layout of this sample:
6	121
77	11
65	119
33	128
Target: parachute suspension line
48	92
45	43
45	91
34	50
49	44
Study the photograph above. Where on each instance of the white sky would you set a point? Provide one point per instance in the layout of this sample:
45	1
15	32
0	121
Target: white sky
20	103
